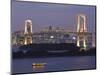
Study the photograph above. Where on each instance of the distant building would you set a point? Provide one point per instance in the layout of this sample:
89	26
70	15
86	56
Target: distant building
18	38
52	37
49	36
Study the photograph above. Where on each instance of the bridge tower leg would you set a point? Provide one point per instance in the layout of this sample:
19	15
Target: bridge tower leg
81	31
28	32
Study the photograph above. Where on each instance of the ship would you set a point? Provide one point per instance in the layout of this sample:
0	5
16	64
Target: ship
51	50
50	47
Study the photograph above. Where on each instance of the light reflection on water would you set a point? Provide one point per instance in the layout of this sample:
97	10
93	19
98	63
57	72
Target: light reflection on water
38	69
38	66
53	64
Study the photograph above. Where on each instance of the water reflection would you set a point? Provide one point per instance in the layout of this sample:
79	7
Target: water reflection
37	67
53	64
88	63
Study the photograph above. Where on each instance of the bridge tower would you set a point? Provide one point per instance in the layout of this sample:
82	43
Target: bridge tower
81	31
28	32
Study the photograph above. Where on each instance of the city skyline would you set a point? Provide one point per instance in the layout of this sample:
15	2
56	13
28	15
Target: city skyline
45	14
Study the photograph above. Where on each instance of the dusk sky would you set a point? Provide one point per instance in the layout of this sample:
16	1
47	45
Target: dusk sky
45	14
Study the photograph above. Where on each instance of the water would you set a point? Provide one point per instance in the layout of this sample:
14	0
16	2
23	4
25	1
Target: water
54	64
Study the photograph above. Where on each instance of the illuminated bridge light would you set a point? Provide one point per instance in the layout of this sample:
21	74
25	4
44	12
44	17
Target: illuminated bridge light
51	37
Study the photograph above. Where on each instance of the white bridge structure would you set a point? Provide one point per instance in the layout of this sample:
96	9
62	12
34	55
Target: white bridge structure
28	32
82	38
